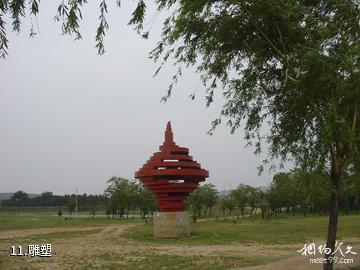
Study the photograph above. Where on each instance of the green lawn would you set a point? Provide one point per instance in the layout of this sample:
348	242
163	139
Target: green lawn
13	222
280	230
283	230
138	249
151	260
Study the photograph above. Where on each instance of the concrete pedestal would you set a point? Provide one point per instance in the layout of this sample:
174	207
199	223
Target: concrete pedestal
172	224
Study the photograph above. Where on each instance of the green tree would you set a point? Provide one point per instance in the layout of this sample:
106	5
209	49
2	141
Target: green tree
117	192
291	64
59	213
47	198
93	211
132	196
287	191
196	203
240	195
203	200
123	195
20	198
304	188
299	189
316	189
253	199
229	203
71	204
209	193
146	202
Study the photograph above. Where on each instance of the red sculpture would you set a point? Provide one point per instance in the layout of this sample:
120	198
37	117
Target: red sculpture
171	174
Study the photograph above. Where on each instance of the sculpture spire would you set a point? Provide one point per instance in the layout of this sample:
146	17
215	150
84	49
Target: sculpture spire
172	162
169	137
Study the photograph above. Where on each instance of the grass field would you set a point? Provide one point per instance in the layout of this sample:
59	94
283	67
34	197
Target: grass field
284	230
229	243
14	222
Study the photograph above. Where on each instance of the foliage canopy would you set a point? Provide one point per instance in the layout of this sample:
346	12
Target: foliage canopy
292	65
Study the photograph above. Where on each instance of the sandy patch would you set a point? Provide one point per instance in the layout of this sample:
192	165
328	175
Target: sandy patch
71	253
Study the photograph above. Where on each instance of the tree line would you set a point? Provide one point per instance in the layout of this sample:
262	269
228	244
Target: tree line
125	195
48	199
293	192
119	198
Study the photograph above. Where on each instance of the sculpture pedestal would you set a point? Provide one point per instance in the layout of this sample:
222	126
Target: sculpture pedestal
172	224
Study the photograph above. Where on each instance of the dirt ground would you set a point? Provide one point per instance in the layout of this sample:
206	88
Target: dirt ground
69	252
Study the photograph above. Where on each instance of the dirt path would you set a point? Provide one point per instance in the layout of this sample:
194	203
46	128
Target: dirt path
300	263
70	252
297	262
37	231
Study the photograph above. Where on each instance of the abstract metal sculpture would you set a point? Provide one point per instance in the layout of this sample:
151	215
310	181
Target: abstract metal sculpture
171	174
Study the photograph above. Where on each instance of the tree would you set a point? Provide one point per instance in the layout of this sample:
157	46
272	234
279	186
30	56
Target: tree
253	199
117	192
229	203
291	64
123	195
59	213
68	14
146	202
314	189
20	198
307	189
246	195
240	195
299	189
202	199
93	211
196	202
71	204
209	192
265	198
287	192
47	198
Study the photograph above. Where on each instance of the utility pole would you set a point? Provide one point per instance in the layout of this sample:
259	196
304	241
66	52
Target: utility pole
76	203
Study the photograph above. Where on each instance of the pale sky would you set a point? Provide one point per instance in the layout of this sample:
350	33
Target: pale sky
70	118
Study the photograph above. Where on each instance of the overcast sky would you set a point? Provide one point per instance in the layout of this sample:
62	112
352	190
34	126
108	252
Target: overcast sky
70	118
